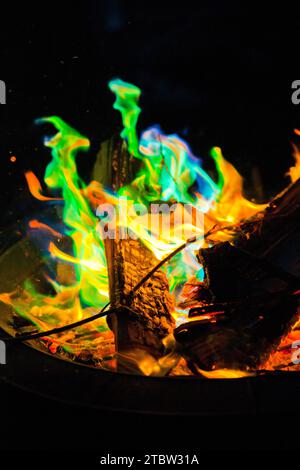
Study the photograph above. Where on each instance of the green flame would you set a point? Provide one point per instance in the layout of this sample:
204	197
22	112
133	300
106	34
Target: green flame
61	174
127	96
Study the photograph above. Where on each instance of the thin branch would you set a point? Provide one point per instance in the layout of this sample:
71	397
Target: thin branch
103	311
61	329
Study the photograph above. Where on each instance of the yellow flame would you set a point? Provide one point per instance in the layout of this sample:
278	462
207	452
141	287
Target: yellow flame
225	374
294	171
231	207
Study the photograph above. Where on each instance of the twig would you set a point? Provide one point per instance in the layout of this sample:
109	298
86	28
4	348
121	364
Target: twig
103	311
212	231
284	348
161	263
42	334
61	329
284	366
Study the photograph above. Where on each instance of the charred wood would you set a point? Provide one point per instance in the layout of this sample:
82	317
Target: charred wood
247	298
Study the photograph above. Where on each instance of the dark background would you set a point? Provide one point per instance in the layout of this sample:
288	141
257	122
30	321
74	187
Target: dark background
217	73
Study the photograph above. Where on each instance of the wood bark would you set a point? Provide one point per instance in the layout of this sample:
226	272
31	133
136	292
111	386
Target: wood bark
140	328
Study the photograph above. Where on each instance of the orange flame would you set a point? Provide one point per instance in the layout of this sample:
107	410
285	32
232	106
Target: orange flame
36	189
35	224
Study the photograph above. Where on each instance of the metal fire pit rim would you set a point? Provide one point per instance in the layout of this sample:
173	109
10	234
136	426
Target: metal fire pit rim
67	382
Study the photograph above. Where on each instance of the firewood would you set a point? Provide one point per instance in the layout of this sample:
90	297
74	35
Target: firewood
114	166
247	294
149	319
140	328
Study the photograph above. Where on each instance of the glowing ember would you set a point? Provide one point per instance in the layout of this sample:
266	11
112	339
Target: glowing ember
169	173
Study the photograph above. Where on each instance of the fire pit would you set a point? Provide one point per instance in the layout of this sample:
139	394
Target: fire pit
156	269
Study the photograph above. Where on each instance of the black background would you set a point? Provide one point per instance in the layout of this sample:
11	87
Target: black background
217	73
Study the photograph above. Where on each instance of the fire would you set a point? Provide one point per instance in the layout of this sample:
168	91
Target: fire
35	187
231	206
225	374
169	173
35	224
294	171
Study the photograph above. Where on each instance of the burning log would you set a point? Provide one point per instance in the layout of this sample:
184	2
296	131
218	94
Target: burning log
247	295
147	320
143	319
114	167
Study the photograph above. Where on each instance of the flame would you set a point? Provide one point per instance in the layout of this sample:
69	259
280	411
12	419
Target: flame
225	373
294	171
127	96
35	187
35	224
169	172
231	206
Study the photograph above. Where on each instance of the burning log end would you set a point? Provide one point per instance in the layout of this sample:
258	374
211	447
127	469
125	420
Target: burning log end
253	279
243	339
